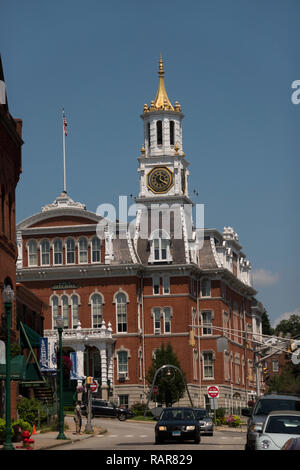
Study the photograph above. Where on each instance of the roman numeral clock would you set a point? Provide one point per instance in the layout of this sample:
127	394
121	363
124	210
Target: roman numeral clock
160	179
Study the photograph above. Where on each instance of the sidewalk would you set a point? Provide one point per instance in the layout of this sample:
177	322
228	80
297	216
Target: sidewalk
48	440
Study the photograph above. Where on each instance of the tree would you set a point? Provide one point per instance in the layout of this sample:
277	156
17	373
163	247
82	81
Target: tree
266	326
171	386
292	326
287	382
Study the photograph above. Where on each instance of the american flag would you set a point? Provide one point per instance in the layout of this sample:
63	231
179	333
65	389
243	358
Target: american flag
65	123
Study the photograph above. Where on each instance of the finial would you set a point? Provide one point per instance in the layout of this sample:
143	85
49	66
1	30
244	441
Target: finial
143	151
161	66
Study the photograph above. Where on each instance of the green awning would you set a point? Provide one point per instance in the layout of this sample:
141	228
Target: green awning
32	335
17	368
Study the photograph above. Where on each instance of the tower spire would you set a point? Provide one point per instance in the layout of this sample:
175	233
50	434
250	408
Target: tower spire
161	100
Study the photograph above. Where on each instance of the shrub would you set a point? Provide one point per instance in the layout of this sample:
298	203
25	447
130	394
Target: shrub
24	425
233	421
2	429
28	410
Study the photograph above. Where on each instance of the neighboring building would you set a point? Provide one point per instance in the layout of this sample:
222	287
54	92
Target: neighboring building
124	292
27	308
10	169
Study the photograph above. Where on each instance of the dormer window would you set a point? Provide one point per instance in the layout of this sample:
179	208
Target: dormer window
160	247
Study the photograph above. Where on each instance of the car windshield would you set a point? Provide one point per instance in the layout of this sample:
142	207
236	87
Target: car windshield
283	424
265	406
202	414
176	414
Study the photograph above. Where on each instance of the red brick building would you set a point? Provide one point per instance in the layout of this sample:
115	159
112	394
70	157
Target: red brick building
10	169
125	289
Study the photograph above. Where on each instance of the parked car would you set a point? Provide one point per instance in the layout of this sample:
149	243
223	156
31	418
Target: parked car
292	444
278	428
263	406
107	409
178	423
205	421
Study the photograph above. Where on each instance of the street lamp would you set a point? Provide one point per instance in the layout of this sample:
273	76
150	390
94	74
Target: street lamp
60	326
8	297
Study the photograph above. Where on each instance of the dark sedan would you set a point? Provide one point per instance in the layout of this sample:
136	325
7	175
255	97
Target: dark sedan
205	421
107	409
178	423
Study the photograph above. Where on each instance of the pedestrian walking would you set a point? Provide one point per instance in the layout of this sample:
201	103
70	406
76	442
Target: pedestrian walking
78	417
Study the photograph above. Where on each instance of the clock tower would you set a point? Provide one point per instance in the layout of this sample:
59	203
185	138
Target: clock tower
162	164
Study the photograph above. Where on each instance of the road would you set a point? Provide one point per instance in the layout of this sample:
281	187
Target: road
134	435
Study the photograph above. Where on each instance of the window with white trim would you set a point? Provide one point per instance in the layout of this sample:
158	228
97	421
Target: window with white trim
166	285
195	364
96	247
65	310
205	288
96	302
206	322
57	252
121	311
45	253
157	320
122	362
83	250
75	313
160	247
32	253
70	251
167	319
156	285
55	312
208	365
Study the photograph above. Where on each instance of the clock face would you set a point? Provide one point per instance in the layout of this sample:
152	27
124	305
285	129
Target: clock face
160	179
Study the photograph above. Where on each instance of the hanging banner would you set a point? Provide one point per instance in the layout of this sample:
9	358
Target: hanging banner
74	371
48	355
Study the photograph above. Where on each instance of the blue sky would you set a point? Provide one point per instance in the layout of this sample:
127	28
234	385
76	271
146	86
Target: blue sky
230	64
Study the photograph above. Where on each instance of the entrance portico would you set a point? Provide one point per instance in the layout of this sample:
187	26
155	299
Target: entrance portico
81	338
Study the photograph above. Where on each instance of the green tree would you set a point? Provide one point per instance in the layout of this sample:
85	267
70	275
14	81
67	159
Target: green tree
171	386
266	326
287	382
292	326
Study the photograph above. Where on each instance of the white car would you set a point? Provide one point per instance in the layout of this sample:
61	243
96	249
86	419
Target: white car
277	429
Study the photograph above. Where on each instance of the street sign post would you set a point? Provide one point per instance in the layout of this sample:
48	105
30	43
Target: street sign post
94	386
213	391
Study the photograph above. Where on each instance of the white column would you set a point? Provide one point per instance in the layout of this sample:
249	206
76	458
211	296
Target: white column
103	357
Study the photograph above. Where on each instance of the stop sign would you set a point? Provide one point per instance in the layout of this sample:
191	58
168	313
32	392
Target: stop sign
94	386
213	391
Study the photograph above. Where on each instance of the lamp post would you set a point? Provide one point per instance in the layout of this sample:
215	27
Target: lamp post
8	297
60	326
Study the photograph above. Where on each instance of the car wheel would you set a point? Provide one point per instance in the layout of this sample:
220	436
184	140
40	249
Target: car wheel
122	417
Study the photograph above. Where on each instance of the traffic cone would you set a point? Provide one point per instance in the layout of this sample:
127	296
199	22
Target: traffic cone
33	429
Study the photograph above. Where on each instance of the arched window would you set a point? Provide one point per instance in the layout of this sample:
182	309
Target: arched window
171	132
70	252
74	305
32	253
65	310
45	252
57	251
83	250
159	132
96	310
96	245
54	307
121	310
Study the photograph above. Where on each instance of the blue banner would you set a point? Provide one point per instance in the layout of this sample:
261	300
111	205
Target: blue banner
48	355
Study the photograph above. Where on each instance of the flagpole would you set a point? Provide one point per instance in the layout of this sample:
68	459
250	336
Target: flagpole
64	150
